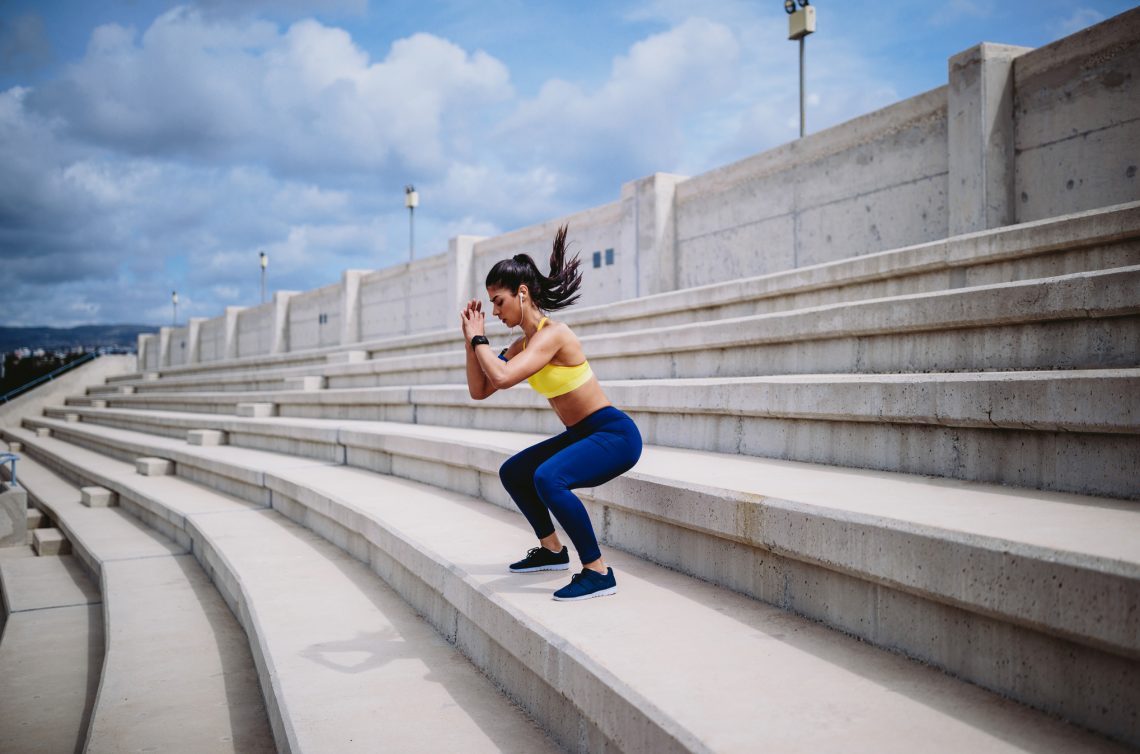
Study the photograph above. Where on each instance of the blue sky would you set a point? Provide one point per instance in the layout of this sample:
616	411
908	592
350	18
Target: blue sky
147	146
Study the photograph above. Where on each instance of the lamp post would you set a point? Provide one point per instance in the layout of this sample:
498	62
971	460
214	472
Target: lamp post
411	201
801	22
264	264
174	308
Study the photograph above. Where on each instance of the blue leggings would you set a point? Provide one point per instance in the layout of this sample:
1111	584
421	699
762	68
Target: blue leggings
602	446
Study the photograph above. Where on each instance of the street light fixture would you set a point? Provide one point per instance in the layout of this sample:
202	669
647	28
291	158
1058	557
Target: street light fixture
174	306
411	201
264	264
801	22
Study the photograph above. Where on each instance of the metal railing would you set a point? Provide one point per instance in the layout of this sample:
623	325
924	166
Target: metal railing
10	458
91	356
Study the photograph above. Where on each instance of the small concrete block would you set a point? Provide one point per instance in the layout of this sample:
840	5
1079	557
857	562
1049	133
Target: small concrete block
305	383
98	497
154	466
98	404
206	437
71	418
43	432
50	542
127	390
15	447
347	357
256	410
150	376
36	519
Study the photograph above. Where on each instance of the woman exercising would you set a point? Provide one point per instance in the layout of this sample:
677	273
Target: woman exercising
600	442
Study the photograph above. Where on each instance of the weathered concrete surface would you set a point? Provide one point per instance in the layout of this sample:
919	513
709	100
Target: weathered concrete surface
50	541
50	662
345	665
981	138
46	582
1077	104
639	688
98	497
695	511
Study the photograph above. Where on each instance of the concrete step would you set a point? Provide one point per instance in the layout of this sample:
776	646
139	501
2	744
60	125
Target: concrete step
1094	240
1068	431
611	678
1024	579
49	541
1078	321
51	652
344	664
178	673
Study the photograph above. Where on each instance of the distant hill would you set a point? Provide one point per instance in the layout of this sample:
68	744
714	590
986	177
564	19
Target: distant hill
91	336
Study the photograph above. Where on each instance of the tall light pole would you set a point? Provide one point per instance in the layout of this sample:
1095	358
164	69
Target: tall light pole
174	308
264	264
411	201
801	22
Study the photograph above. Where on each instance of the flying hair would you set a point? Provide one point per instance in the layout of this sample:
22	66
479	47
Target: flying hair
557	290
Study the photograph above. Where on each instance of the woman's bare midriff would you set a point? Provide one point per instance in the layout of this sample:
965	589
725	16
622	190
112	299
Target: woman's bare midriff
578	404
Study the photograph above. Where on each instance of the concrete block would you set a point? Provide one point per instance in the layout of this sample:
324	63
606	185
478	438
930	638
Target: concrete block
981	138
13	516
98	403
50	542
71	418
43	432
206	437
127	390
154	466
36	519
256	410
347	357
150	376
15	447
305	383
98	497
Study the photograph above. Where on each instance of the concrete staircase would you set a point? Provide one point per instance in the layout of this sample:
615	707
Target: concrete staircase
775	520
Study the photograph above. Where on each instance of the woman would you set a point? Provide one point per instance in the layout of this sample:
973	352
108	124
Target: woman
600	442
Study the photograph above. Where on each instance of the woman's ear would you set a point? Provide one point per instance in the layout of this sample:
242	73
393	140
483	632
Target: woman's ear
523	293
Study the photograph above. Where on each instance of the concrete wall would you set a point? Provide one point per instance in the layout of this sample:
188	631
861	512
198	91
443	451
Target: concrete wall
405	299
255	330
593	230
1077	115
314	318
1016	135
871	184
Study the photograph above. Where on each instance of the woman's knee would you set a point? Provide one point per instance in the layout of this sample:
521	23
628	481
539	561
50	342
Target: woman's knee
550	484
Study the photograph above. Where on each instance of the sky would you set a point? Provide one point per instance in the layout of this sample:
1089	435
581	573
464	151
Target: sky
148	146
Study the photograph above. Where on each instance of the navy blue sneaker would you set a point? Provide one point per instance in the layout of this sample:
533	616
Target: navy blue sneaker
542	559
588	584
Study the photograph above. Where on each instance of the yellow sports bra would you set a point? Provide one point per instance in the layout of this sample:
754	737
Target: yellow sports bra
552	380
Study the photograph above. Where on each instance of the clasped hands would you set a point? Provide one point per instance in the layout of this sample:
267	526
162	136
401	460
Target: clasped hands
473	320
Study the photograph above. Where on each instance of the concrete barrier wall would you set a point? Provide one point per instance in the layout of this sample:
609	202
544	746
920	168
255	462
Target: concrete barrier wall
1077	105
179	346
593	231
255	330
315	318
875	183
405	299
1016	135
212	339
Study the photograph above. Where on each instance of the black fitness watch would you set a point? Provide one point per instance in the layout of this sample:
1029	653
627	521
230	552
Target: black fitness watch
479	340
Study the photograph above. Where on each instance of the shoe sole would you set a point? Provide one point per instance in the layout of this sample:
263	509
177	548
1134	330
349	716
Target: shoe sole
591	595
562	567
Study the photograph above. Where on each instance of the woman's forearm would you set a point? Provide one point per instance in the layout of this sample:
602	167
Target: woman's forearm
477	384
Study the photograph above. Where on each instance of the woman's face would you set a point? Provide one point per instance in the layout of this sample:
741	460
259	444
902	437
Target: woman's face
505	305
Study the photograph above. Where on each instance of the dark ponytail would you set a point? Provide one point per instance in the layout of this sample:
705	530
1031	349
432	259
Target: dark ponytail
557	290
